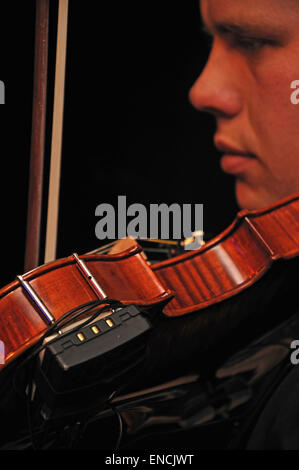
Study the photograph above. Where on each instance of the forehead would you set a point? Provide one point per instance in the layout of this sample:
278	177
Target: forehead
275	13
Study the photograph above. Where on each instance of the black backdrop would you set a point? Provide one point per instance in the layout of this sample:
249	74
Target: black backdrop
129	128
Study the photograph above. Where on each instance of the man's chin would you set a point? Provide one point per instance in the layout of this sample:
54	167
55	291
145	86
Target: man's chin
251	198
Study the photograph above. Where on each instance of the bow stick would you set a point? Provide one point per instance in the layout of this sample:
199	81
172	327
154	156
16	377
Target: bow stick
38	134
57	128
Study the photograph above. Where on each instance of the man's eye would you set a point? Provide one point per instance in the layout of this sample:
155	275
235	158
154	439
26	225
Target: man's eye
250	44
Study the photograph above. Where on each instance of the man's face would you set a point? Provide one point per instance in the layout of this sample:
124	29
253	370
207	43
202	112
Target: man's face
246	86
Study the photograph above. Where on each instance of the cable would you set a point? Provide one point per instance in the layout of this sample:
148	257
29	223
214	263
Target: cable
63	321
27	387
120	434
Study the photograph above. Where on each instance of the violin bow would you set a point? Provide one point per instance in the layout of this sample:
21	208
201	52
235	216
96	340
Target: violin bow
36	167
38	134
57	131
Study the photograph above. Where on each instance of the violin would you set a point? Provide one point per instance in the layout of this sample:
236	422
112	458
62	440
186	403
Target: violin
223	267
80	293
185	293
234	260
193	281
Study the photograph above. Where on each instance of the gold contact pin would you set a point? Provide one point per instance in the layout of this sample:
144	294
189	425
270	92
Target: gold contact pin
95	330
81	336
110	322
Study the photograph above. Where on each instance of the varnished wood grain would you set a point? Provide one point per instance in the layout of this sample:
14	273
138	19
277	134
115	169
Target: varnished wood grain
222	268
234	260
61	287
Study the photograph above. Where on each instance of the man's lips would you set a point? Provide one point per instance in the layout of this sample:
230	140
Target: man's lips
235	164
234	160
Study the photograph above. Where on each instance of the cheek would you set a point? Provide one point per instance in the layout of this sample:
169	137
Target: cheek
272	92
273	117
274	122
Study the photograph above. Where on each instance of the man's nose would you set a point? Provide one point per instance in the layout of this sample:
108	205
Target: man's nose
218	90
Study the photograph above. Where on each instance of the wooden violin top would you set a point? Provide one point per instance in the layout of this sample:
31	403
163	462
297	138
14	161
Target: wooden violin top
234	260
220	269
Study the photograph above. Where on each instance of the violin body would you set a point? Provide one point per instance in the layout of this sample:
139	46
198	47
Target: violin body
234	260
220	269
60	286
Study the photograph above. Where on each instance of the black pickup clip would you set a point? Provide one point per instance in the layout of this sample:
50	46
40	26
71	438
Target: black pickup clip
82	367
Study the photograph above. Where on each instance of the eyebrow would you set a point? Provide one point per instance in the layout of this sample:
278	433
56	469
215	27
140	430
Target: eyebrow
244	29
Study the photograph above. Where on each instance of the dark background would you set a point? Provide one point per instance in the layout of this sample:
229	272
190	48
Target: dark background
129	128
